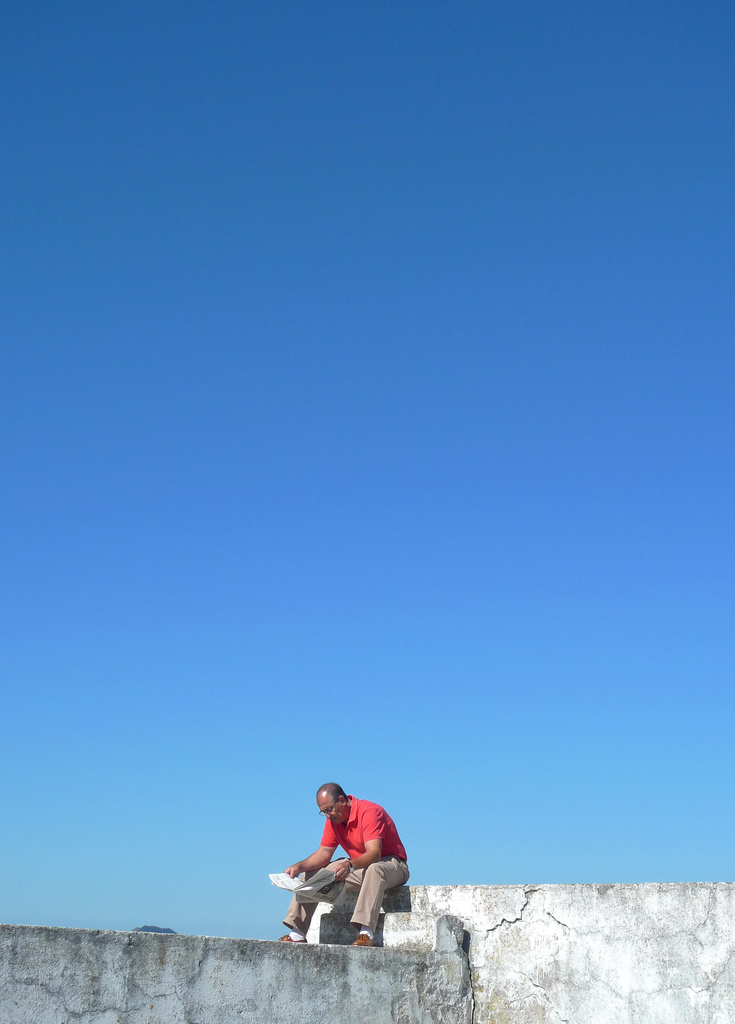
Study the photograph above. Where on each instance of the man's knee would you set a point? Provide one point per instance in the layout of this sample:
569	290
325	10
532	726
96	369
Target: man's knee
378	868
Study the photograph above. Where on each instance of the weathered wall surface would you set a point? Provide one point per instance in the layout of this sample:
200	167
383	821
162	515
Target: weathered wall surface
64	975
582	954
586	954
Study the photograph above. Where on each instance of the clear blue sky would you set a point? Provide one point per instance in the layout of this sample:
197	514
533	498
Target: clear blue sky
368	366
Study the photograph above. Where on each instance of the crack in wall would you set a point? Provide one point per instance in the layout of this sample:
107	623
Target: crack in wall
561	924
528	893
545	994
725	966
708	914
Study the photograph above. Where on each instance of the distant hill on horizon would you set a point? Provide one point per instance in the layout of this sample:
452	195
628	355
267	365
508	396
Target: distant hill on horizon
155	928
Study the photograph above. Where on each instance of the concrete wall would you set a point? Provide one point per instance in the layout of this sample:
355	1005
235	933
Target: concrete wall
586	954
582	954
64	975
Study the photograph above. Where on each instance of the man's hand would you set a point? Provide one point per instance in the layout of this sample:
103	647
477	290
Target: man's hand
318	859
341	872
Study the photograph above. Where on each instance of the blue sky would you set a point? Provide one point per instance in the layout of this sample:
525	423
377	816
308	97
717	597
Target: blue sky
372	366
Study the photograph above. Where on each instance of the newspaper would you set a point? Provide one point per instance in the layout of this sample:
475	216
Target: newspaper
320	888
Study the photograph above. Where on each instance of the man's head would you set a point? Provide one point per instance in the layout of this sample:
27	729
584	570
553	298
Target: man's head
332	802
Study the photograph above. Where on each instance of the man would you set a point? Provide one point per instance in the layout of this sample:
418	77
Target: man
375	861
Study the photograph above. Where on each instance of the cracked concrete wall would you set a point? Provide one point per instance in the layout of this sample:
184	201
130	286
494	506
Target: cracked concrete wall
71	976
583	954
538	954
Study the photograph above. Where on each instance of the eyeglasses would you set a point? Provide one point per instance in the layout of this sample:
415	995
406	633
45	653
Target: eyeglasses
330	810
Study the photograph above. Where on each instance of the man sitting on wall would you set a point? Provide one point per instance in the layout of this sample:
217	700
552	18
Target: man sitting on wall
375	861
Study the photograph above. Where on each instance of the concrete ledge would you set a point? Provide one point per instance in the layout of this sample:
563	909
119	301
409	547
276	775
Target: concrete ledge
63	975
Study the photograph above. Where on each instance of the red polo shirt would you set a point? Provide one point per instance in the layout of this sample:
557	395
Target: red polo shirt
366	821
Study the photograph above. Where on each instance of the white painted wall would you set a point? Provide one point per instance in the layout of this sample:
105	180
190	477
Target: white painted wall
586	954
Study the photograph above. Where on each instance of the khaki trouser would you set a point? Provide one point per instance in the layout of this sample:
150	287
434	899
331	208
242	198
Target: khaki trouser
371	882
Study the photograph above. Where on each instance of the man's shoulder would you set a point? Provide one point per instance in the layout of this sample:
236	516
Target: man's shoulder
369	807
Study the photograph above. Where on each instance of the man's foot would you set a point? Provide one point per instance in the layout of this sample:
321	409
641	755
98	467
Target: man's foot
296	942
363	940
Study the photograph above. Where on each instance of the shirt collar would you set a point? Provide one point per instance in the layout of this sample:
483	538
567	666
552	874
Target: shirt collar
353	809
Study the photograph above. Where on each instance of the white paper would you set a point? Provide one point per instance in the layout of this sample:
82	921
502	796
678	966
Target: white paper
321	887
284	881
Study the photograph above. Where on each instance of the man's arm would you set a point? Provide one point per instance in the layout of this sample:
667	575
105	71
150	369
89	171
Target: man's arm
373	852
318	859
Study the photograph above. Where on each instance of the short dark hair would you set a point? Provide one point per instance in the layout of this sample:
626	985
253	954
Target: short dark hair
333	791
